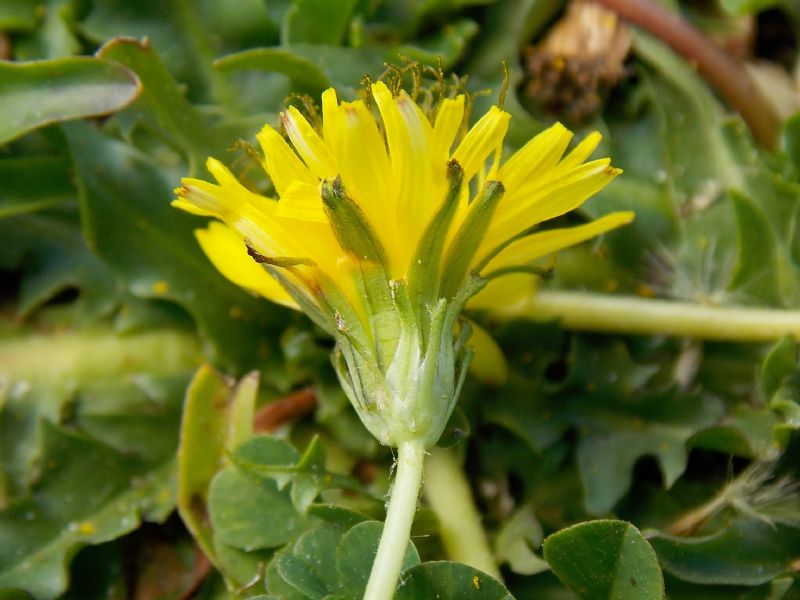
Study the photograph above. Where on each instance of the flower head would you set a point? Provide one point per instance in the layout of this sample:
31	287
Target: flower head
385	225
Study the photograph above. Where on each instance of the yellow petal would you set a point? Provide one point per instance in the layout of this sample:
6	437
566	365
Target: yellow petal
228	253
449	118
537	245
303	202
408	135
331	119
581	152
366	171
309	145
488	363
512	292
485	138
525	207
536	157
283	165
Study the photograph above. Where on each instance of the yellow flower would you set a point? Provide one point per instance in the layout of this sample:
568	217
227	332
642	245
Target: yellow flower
383	224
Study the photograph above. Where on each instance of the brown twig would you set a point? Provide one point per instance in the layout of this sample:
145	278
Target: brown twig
713	63
294	406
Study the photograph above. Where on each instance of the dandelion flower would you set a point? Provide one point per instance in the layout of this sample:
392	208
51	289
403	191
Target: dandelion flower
385	224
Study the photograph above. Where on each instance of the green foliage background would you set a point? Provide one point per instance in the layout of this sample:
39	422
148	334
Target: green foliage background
121	346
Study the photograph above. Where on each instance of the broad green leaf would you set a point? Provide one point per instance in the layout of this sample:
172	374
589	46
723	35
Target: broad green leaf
316	21
39	93
130	224
252	514
747	551
605	560
88	494
31	183
356	553
216	418
445	579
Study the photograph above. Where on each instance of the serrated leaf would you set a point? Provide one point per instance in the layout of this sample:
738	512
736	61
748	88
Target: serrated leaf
445	579
745	552
88	494
50	246
605	560
39	93
162	106
96	362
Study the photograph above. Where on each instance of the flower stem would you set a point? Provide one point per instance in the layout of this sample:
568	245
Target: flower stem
449	495
631	315
397	529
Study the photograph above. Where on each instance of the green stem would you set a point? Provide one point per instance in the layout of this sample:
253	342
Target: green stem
397	529
632	315
450	497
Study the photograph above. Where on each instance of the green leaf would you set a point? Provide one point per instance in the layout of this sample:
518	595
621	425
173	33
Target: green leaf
302	72
311	66
448	45
515	540
92	376
605	560
88	494
130	224
764	266
216	418
356	553
50	246
31	183
747	551
316	21
18	15
779	364
40	93
162	106
445	579
250	513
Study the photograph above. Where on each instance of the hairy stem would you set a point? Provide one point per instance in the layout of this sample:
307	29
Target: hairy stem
713	63
632	315
399	516
449	495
